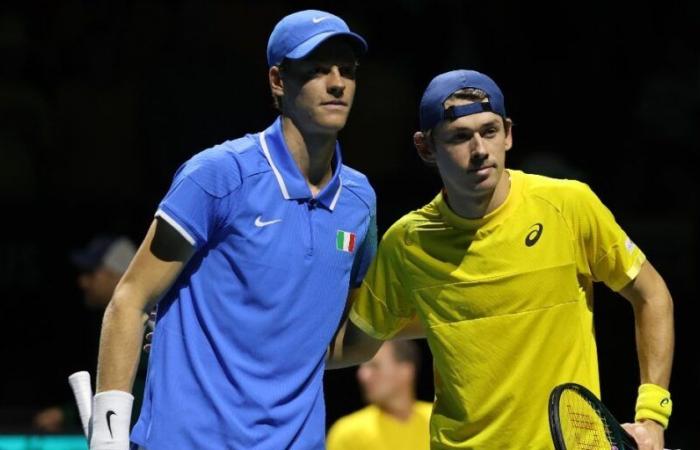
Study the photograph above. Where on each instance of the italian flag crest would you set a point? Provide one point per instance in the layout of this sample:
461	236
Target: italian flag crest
345	241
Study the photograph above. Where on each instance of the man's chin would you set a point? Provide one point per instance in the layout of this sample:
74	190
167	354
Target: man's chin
333	126
332	122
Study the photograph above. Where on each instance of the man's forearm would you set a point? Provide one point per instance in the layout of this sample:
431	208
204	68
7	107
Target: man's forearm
352	346
654	331
655	340
120	345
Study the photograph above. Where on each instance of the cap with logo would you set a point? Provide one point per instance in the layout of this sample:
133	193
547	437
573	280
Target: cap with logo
110	252
432	105
298	34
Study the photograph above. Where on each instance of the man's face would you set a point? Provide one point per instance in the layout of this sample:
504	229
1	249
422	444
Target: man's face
383	377
319	90
470	152
98	287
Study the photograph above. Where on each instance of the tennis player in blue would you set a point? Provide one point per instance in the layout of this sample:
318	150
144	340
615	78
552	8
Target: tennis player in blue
250	259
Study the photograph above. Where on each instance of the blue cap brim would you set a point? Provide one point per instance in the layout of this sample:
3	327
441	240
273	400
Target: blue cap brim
306	47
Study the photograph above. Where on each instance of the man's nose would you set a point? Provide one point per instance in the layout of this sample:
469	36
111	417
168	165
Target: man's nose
478	149
336	82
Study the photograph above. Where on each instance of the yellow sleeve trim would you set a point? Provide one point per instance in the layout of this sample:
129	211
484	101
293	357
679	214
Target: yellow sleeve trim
630	273
365	326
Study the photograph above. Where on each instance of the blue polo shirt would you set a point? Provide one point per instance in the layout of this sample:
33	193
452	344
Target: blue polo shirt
238	352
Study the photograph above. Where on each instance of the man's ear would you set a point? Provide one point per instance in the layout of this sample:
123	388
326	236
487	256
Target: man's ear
276	84
424	147
509	133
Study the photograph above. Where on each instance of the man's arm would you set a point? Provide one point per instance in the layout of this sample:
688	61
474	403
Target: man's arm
352	346
157	263
653	316
654	330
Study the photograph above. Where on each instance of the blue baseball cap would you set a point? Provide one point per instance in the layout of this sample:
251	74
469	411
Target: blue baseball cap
298	34
432	105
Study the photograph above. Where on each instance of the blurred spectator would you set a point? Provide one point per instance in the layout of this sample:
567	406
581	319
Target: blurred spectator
394	418
101	264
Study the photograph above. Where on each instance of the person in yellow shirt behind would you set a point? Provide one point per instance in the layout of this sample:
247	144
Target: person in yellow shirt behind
394	419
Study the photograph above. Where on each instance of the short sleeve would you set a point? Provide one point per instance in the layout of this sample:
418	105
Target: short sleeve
199	198
605	250
382	305
365	254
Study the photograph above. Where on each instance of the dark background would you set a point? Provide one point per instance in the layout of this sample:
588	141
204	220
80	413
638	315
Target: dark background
100	102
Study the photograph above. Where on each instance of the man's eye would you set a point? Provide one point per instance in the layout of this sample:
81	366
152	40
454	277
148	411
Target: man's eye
460	137
348	71
491	132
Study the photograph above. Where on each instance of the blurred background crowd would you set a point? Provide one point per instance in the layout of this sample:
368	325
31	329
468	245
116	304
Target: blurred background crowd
101	101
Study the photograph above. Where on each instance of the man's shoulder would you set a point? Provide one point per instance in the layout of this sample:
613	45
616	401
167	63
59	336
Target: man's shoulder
357	184
427	216
536	181
222	168
554	190
423	409
353	430
236	153
357	419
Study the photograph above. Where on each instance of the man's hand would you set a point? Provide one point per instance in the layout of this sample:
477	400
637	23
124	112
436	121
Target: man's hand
648	434
150	327
148	339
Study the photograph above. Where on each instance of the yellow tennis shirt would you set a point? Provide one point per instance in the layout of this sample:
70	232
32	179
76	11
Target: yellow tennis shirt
506	302
372	429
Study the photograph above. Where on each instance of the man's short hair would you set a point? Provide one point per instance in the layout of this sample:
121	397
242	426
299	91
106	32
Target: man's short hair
407	351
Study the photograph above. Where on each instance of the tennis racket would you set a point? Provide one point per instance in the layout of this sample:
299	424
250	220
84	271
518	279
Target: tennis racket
82	391
578	420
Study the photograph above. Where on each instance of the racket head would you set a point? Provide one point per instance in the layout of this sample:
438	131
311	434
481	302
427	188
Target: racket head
578	420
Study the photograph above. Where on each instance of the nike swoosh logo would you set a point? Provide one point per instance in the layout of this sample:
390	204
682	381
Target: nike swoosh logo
260	223
319	19
109	415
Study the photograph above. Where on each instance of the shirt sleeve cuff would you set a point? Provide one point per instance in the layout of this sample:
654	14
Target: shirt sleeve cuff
177	226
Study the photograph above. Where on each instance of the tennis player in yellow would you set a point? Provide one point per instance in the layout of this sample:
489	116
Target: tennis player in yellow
499	269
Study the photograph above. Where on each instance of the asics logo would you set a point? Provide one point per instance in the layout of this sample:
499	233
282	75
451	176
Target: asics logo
534	235
319	19
260	223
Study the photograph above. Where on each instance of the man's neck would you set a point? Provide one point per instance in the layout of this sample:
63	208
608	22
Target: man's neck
475	205
313	153
399	407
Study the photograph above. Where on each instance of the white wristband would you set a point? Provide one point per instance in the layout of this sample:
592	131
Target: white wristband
111	420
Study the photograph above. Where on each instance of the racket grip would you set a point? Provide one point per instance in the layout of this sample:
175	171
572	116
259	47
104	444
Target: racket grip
82	391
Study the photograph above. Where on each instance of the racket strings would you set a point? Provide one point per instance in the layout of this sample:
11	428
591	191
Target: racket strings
582	426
